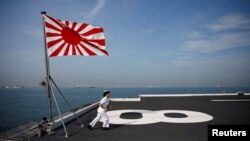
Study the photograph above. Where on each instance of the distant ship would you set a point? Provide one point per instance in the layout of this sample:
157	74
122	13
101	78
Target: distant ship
13	87
86	86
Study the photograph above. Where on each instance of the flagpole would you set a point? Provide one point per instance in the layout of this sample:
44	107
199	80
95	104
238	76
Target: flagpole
47	73
49	85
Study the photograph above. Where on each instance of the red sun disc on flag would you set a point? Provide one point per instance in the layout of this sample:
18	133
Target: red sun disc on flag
66	38
70	36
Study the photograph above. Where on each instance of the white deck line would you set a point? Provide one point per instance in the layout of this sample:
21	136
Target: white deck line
125	99
185	95
229	100
172	95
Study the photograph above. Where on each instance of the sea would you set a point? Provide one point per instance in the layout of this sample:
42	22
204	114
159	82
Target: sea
20	105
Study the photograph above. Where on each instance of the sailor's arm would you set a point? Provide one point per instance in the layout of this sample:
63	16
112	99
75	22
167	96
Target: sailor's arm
105	109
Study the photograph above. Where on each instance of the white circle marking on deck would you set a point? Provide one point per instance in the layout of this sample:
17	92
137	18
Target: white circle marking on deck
149	117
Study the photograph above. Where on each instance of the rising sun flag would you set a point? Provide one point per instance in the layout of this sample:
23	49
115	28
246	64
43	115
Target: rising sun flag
66	38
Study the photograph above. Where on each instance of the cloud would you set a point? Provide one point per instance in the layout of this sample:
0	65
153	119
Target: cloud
232	21
220	42
207	41
195	35
95	10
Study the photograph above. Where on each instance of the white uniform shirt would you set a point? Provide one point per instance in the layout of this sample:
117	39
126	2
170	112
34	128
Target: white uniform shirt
105	102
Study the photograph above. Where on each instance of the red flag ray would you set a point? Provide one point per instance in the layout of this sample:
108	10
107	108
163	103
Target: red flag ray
52	43
88	52
95	49
93	31
81	27
52	49
79	51
74	25
58	50
48	25
100	42
55	22
48	34
65	38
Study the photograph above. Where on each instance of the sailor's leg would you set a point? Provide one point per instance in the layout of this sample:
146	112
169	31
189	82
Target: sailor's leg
105	120
97	118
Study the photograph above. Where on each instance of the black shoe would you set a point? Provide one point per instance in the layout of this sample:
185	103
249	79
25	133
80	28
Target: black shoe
89	127
105	128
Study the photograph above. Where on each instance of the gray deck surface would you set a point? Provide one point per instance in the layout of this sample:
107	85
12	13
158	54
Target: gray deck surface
223	112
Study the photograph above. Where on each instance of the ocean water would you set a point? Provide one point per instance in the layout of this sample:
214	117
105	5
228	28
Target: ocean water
30	104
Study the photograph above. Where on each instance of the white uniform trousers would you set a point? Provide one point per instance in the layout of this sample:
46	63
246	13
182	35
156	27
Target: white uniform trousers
103	117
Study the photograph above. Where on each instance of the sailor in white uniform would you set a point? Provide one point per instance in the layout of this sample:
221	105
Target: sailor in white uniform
104	106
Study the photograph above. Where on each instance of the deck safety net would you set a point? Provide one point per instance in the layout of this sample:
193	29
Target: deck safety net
22	132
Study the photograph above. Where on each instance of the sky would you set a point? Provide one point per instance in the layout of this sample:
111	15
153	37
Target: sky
161	43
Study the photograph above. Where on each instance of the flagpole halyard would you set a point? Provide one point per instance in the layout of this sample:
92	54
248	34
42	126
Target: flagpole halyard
69	105
59	112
